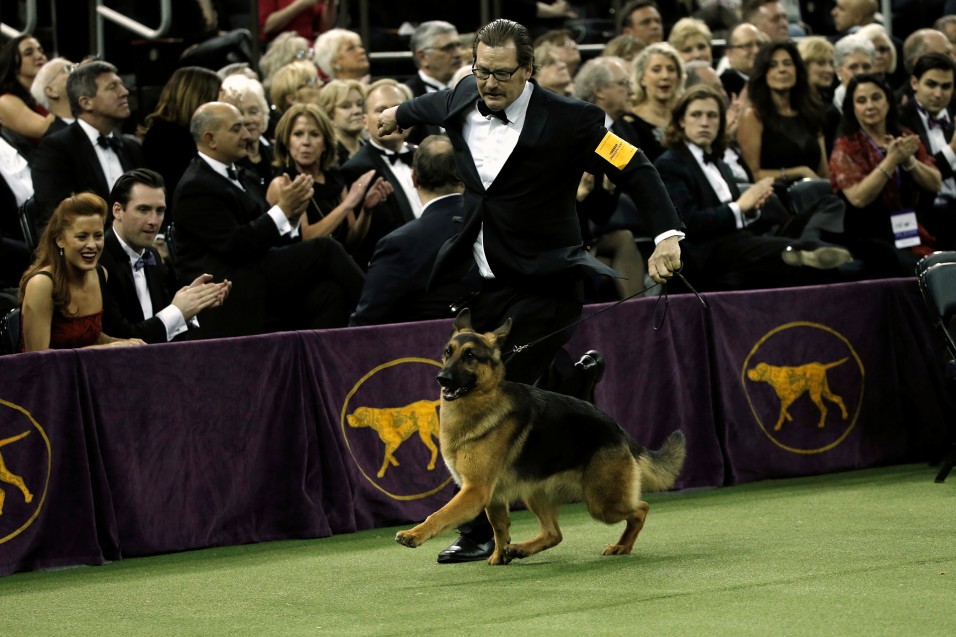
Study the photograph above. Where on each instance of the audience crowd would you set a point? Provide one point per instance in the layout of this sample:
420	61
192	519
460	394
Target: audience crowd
250	200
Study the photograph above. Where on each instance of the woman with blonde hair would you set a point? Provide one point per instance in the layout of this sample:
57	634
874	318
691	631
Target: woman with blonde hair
167	143
61	294
305	144
340	55
692	39
344	102
294	83
884	62
658	83
287	47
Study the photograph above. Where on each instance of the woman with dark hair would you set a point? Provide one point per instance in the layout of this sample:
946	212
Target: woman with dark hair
305	144
20	60
167	142
61	294
781	134
881	170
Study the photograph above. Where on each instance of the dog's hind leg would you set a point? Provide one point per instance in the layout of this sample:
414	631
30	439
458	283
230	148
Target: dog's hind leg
500	520
635	522
550	536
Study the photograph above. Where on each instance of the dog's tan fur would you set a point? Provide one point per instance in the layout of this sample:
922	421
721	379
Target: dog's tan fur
484	440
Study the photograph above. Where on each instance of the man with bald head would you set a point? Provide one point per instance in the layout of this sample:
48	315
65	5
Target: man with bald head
850	15
742	47
224	227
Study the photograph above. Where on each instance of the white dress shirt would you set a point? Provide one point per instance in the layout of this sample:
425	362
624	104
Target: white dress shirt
171	316
720	186
938	144
109	160
403	173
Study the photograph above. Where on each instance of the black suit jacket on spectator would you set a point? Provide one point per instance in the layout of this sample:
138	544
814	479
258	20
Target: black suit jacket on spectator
128	321
909	118
393	213
224	231
529	213
66	163
706	217
733	81
418	133
394	290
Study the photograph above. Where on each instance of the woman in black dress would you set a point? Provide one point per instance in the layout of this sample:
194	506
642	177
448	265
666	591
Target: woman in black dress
305	144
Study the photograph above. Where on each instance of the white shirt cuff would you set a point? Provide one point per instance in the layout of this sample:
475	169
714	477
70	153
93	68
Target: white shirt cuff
667	235
173	319
283	225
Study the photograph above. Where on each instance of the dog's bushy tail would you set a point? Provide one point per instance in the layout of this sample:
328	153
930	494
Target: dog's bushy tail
659	469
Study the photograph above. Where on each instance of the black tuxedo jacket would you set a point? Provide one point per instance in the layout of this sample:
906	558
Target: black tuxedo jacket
393	213
706	217
909	117
66	162
529	214
733	81
418	133
225	231
394	290
128	320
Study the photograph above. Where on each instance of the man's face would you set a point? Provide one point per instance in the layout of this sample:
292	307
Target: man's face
615	96
646	25
854	65
111	99
846	14
228	142
744	44
500	94
56	88
772	20
376	102
138	223
933	89
442	58
701	122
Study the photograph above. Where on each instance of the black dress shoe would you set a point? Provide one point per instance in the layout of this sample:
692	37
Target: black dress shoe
592	367
466	550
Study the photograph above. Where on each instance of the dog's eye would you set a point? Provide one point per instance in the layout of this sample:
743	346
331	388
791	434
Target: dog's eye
470	355
447	352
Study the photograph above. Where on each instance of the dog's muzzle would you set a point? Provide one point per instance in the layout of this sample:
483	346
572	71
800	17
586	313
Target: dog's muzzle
449	391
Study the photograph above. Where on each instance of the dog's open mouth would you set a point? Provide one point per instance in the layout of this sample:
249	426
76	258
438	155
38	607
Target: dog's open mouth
450	394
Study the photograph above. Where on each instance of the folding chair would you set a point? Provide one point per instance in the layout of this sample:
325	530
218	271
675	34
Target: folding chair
10	332
937	282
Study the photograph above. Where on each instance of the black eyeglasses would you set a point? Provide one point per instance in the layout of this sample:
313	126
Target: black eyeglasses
499	75
451	47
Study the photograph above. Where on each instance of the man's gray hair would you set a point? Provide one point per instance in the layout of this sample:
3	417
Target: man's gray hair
596	73
426	32
44	76
851	45
82	82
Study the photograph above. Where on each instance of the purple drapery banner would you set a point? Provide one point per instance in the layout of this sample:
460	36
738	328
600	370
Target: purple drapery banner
125	452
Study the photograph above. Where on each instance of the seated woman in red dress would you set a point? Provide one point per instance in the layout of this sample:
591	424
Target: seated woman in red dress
881	170
61	294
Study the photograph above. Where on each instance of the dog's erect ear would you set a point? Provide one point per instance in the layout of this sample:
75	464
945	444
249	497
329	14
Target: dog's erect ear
502	332
462	322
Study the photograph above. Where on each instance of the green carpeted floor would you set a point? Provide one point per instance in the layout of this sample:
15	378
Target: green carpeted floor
862	553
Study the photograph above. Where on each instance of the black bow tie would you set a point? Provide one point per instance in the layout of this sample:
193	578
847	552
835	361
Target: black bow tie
147	258
942	122
232	173
405	157
711	158
108	142
487	112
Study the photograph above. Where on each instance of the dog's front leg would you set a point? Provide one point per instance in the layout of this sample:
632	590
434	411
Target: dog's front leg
466	504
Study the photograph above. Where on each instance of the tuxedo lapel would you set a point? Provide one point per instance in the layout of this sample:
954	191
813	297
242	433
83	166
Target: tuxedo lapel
90	159
534	124
121	278
697	174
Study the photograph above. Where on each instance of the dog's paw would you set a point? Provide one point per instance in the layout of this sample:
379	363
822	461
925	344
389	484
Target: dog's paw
406	538
498	558
512	552
616	549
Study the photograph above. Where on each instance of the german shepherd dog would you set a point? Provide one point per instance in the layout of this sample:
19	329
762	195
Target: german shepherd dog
505	441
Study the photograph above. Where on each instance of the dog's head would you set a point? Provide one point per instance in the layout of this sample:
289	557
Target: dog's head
470	359
759	372
361	417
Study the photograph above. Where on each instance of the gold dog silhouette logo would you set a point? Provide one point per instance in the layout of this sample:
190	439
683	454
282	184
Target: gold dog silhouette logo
394	441
24	469
803	407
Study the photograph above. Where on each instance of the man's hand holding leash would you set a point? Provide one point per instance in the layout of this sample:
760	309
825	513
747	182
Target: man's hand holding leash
665	260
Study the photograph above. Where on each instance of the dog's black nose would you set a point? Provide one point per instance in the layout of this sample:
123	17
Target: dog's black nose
443	378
